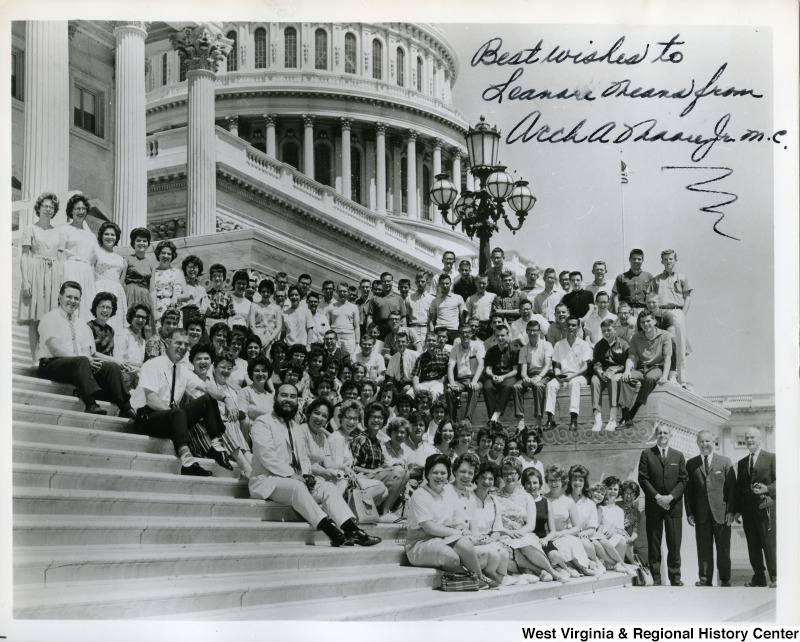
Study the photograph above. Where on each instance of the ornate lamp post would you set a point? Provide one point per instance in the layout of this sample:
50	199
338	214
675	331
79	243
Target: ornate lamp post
480	212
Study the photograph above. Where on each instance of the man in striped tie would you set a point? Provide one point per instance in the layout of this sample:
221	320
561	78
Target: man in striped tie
66	353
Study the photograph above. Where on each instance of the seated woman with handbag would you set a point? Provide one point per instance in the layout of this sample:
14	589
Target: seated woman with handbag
437	537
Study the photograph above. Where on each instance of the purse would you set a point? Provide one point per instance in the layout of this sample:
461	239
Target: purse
459	582
766	502
360	502
643	575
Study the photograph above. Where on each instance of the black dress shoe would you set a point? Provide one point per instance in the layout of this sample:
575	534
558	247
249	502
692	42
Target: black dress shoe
550	424
221	457
195	470
127	413
678	583
726	584
754	585
94	409
698	583
357	535
337	537
573	424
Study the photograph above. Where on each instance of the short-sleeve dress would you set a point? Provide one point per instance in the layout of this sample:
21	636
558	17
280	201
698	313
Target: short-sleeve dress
168	286
108	269
612	518
79	246
255	403
44	272
569	546
514	508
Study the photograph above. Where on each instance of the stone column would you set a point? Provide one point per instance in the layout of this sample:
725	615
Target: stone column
346	168
437	169
380	158
308	145
397	171
47	114
456	177
130	168
203	49
270	120
411	168
233	125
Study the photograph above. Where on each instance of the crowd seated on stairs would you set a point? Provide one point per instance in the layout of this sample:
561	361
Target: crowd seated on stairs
363	391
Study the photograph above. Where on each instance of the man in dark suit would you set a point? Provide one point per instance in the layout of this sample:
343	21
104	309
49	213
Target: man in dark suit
662	476
755	487
710	499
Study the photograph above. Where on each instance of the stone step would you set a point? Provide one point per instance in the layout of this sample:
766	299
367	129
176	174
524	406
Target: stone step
56	436
78	478
89	530
101	503
125	599
46	565
42	414
104	458
413	605
35	384
57	401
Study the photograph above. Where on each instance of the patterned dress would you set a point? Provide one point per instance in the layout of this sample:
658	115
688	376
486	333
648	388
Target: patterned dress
168	286
80	246
108	269
514	509
44	272
103	337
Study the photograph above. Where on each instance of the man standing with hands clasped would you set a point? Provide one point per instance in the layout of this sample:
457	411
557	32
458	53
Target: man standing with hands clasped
710	497
662	476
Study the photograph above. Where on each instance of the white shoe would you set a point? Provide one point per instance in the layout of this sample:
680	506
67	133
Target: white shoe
521	580
508	581
611	426
598	424
388	518
521	425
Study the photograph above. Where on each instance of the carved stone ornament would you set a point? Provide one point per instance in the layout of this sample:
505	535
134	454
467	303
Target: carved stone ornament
305	52
131	23
201	48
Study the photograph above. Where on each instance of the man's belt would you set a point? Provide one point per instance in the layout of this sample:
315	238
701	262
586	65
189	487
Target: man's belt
671	306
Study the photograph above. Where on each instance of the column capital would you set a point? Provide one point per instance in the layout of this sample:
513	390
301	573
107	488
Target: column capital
437	143
380	128
232	120
139	27
201	47
412	135
346	122
270	119
457	153
308	120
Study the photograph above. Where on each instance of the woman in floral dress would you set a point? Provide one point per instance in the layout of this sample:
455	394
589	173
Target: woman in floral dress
108	271
167	285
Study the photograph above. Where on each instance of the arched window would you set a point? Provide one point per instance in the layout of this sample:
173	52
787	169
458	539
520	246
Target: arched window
377	59
164	69
419	74
182	73
260	56
426	197
321	49
404	184
290	153
401	67
290	48
323	164
350	54
233	59
355	174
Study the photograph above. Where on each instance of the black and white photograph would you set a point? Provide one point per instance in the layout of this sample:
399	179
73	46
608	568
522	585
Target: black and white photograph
318	316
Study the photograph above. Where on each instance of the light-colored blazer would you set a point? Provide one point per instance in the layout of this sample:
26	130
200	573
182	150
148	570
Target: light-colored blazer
272	457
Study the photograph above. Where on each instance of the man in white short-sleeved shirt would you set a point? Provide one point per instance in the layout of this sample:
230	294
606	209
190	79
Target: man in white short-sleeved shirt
464	370
535	363
571	357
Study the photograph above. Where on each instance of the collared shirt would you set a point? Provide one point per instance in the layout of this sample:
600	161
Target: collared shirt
430	367
480	305
466	359
297	323
509	304
380	307
367	451
409	360
593	321
241	311
672	289
519	328
531	292
495	276
390	341
416	456
627	331
446	311
607	356
374	363
156	376
220	305
55	325
453	274
651	352
556	333
579	302
545	303
465	287
321	326
633	288
420	305
535	357
571	358
502	361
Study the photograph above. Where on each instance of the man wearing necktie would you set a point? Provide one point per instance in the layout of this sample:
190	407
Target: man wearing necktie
710	505
66	353
662	476
281	468
755	486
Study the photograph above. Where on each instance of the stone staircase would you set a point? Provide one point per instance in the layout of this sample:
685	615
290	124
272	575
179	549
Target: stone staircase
104	527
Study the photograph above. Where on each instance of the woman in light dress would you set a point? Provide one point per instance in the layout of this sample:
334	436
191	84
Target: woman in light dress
137	273
129	344
40	267
109	272
562	517
232	438
531	445
167	287
257	398
79	248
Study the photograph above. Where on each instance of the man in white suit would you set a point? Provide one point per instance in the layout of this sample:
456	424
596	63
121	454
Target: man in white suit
281	473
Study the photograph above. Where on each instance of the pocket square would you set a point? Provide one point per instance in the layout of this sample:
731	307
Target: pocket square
717	472
673	464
